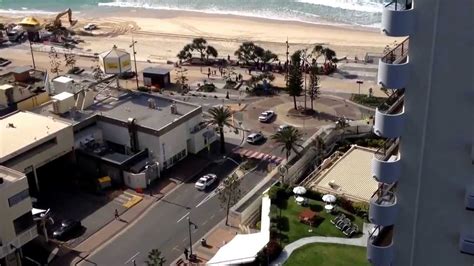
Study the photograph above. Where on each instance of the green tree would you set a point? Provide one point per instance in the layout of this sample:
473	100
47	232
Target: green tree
181	77
229	194
155	258
220	117
70	59
289	140
186	53
295	81
249	53
313	91
54	61
200	45
319	50
211	51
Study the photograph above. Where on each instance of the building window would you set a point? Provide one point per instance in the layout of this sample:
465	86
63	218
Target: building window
23	223
17	198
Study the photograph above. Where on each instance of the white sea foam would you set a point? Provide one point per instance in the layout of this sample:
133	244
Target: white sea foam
266	14
356	5
26	11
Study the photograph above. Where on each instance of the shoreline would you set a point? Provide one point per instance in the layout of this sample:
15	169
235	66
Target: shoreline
162	34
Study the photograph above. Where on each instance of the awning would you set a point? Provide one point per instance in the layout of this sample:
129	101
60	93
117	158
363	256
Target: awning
244	248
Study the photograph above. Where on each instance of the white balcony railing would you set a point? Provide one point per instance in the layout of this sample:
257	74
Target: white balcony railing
398	19
386	171
380	247
393	75
383	208
389	125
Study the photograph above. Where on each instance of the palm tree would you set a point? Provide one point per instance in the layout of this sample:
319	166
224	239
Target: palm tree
289	139
220	117
155	258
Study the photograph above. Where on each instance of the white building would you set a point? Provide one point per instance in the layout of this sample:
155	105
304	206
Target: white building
29	141
17	226
423	209
121	137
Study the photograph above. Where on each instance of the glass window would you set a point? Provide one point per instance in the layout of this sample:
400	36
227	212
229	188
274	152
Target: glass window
23	223
17	198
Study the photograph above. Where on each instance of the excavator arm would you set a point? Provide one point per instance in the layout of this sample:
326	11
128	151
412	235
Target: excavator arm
57	20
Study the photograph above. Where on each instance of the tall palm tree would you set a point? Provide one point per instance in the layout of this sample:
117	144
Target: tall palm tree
220	117
289	140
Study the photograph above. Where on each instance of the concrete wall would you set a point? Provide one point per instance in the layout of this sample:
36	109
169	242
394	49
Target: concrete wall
135	180
173	142
114	133
435	147
64	145
33	102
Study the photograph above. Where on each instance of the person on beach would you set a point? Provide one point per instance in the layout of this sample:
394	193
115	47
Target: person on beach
116	214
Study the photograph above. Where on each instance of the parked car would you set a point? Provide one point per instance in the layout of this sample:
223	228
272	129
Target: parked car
255	138
67	229
283	127
266	116
205	181
90	26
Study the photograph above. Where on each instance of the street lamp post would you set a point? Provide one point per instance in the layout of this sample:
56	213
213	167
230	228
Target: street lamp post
359	82
190	224
232	160
134	59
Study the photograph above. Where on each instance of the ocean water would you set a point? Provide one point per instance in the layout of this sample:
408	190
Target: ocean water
352	12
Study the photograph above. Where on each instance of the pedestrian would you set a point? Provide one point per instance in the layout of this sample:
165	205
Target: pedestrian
208	74
116	214
228	57
186	253
209	70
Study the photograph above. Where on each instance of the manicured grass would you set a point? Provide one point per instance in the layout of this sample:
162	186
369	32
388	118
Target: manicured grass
319	254
368	101
292	229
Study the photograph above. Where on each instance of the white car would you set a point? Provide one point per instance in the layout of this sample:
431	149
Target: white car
90	26
283	127
255	137
266	116
205	181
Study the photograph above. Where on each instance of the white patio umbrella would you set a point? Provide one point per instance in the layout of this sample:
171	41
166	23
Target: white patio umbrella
329	198
299	190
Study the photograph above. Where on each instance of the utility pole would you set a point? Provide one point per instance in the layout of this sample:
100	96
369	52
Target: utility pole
134	59
287	62
190	237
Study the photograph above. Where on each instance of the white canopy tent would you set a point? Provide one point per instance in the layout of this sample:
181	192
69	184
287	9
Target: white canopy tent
243	248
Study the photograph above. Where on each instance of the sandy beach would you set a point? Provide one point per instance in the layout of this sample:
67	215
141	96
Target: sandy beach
160	35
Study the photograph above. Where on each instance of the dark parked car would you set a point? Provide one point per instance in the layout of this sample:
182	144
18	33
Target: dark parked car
67	229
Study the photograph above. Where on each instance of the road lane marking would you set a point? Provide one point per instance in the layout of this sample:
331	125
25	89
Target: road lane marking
180	219
212	216
131	258
205	222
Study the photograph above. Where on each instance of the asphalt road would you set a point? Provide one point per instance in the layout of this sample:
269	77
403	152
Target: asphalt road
165	226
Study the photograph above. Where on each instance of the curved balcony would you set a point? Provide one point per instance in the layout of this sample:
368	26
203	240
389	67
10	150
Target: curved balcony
389	125
386	171
393	75
398	19
383	209
380	248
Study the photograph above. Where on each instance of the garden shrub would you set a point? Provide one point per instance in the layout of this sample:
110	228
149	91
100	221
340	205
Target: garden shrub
361	208
144	89
315	195
345	204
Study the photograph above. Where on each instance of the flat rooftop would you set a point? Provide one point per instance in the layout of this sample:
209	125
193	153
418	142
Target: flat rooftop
351	174
137	105
21	129
35	83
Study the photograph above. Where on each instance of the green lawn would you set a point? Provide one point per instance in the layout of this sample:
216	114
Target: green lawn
319	254
292	229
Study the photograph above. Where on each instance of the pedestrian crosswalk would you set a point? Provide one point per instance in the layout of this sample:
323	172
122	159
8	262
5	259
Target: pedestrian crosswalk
127	199
258	155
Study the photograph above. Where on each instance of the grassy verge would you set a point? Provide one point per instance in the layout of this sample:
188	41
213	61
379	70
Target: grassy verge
365	100
328	254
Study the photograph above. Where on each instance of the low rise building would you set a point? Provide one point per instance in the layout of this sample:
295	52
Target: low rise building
17	226
133	137
22	89
29	141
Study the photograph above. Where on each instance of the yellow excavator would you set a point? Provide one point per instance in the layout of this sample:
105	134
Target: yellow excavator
56	24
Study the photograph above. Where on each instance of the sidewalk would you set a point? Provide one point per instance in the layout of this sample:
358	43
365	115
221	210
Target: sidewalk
215	238
72	256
